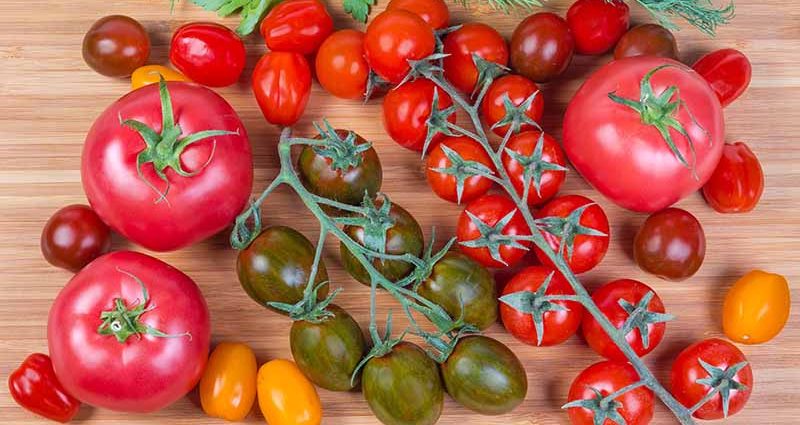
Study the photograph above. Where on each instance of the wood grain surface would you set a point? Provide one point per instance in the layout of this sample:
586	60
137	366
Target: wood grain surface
49	98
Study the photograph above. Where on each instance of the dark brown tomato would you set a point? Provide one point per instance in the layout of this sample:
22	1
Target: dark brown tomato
647	40
542	47
115	46
73	237
670	244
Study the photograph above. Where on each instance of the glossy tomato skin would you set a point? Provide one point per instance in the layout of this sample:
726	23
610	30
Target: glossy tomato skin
756	308
608	377
597	25
209	54
286	396
728	71
146	373
490	209
406	110
485	376
524	144
298	26
445	185
612	148
393	38
115	46
340	65
559	325
647	40
463	288
671	244
589	250
73	237
518	89
282	85
607	298
737	183
196	207
434	12
542	47
228	386
152	74
461	44
404	387
686	370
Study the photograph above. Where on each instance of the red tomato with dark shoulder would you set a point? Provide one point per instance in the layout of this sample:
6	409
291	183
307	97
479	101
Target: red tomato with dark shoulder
518	89
282	85
188	182
491	210
129	333
597	25
298	26
527	154
636	407
434	12
393	38
542	47
738	182
406	110
471	39
207	53
442	172
73	237
341	67
728	71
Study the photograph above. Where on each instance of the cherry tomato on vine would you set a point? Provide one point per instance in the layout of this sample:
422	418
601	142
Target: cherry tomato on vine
73	237
442	172
518	89
670	244
756	308
635	406
434	12
647	40
340	65
282	85
597	25
728	71
542	47
298	26
115	46
152	74
737	183
489	212
207	53
471	39
393	38
550	160
406	110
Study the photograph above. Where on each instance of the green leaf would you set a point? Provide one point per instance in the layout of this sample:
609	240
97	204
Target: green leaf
251	11
358	9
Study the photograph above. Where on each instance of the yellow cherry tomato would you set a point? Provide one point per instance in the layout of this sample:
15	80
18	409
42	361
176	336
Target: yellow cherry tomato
756	308
286	396
228	386
150	74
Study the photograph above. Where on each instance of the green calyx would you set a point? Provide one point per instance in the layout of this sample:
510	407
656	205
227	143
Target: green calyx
461	169
534	166
374	220
309	309
516	116
438	121
488	71
640	317
567	229
492	237
603	408
344	153
164	150
534	303
722	381
382	345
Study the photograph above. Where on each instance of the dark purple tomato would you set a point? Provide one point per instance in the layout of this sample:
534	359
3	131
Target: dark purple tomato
647	40
670	244
115	46
542	47
73	237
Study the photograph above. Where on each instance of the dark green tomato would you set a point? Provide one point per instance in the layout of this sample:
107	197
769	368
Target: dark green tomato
405	237
403	387
456	281
484	375
328	352
277	265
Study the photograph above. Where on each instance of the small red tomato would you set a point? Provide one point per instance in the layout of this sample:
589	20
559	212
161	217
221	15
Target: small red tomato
35	387
620	300
116	45
406	110
580	219
558	320
607	377
708	364
597	25
647	40
443	173
207	53
340	65
393	38
738	181
73	237
670	244
434	12
546	162
471	39
542	47
499	218
298	26
282	85
518	89
728	71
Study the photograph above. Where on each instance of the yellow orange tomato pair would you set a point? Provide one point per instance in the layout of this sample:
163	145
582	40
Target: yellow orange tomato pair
150	74
756	308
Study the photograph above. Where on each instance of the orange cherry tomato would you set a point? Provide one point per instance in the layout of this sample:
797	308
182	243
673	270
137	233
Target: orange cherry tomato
756	308
286	396
150	74
228	386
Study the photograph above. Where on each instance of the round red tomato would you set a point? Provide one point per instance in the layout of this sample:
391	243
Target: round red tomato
499	218
558	320
208	53
393	38
434	12
129	333
538	158
444	174
738	182
282	85
725	367
728	71
651	316
635	407
542	47
580	219
518	89
671	244
161	194
298	26
471	39
406	110
613	132
73	237
597	25
340	65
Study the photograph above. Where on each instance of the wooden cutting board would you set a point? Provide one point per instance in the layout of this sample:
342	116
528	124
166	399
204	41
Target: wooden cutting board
49	98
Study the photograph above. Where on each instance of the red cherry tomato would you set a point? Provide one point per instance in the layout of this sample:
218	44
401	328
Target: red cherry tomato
472	39
558	324
728	71
524	144
207	53
542	47
737	183
635	406
490	210
518	89
73	237
441	171
35	387
116	45
608	298
298	26
434	12
393	38
406	110
282	85
588	249
340	65
597	25
670	244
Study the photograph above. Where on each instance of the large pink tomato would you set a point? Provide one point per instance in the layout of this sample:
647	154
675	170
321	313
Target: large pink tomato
168	165
129	333
645	132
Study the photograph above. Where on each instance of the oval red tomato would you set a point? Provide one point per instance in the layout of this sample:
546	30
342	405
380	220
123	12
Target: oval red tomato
443	173
282	85
340	65
434	12
597	25
518	90
635	407
393	38
298	26
541	155
406	110
498	216
728	71
738	182
462	44
129	333
208	53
